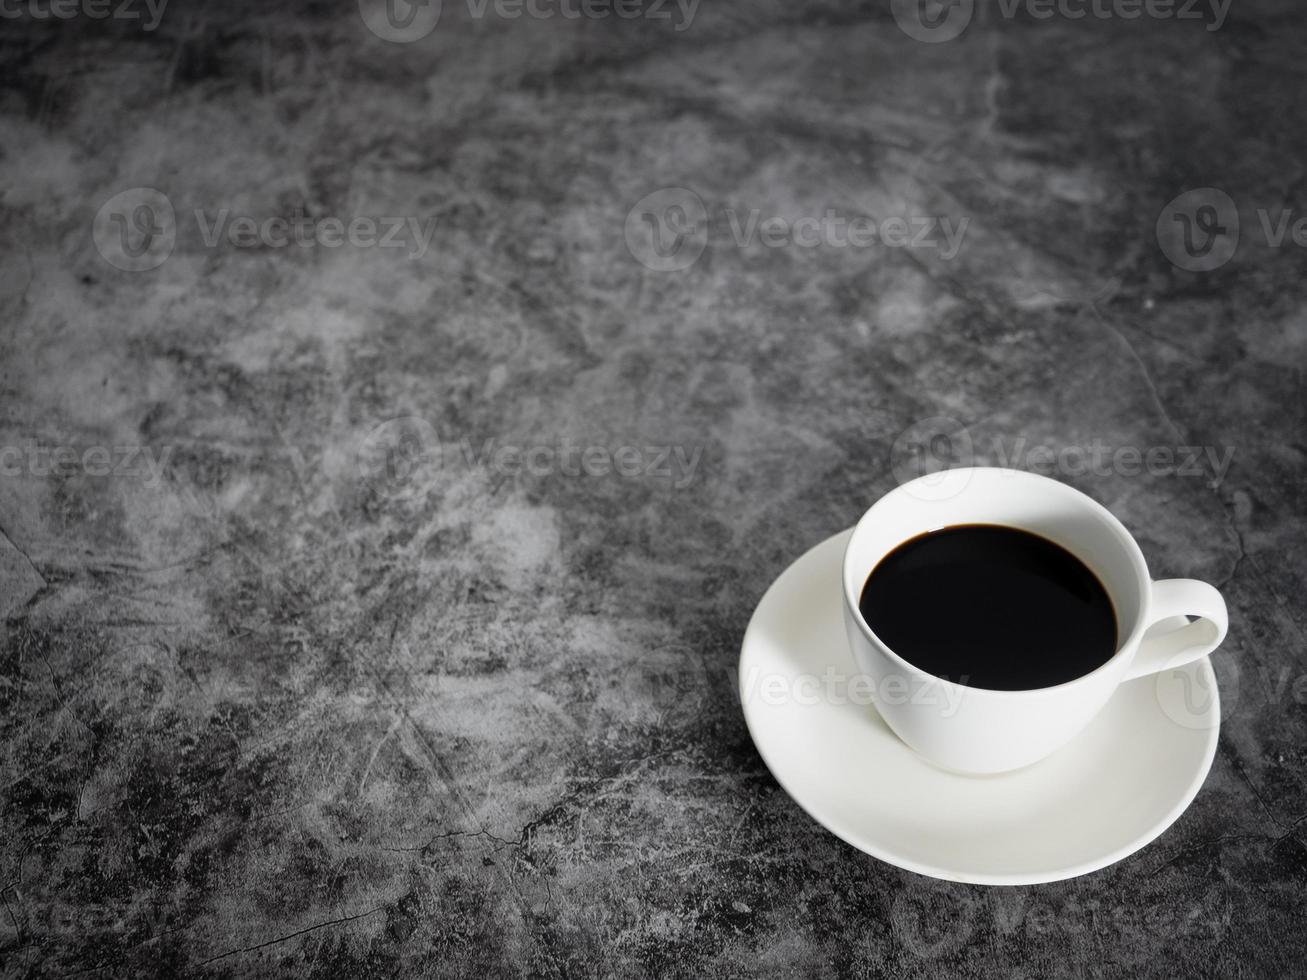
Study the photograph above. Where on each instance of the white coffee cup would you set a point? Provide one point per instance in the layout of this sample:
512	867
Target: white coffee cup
977	731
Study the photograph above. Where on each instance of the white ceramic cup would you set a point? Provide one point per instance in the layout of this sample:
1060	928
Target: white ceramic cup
977	731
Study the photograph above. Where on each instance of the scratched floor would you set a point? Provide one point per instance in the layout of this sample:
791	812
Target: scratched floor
372	611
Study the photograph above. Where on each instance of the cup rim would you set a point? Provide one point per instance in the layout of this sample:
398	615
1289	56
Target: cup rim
1143	580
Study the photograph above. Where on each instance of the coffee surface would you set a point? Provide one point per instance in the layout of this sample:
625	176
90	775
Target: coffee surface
991	607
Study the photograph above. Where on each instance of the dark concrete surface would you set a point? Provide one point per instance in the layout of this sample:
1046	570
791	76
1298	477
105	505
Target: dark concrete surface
341	638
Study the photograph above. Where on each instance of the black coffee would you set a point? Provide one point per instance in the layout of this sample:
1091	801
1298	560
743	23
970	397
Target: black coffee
990	607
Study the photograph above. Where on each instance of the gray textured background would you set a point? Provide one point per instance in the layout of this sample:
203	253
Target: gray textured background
272	709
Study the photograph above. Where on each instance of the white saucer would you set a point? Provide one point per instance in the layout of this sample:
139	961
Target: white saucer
1110	791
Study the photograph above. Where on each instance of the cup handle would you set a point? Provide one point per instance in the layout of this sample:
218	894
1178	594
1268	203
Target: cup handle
1181	597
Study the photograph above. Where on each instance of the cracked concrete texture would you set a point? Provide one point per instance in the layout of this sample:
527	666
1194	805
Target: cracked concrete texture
335	678
19	579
